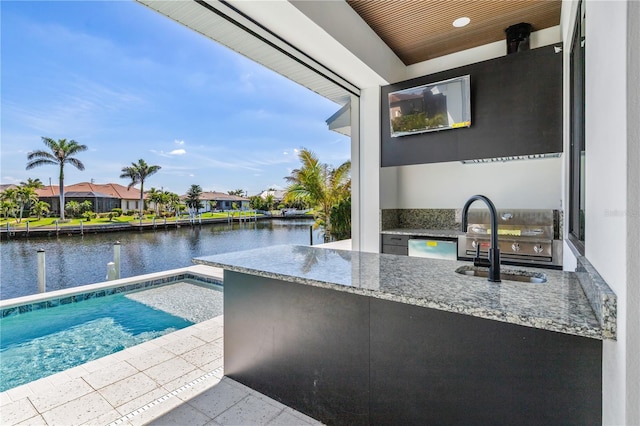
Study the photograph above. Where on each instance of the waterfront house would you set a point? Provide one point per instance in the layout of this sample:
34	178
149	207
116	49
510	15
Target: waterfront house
354	52
103	197
277	194
219	201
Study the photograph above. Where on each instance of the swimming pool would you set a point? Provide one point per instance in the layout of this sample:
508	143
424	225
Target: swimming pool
46	337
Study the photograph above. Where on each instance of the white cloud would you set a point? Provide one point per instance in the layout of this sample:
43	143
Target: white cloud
178	142
285	153
296	150
169	154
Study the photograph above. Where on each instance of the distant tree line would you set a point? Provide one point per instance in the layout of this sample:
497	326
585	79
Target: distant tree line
316	185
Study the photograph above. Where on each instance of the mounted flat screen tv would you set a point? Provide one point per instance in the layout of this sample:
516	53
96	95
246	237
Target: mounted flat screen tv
431	107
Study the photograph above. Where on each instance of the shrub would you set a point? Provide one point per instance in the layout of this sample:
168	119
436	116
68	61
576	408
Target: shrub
117	212
73	209
89	215
341	220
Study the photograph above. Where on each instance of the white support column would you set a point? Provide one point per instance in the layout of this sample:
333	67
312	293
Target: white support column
633	215
365	174
355	173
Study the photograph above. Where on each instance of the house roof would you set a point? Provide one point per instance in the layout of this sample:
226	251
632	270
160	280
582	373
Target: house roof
5	186
87	194
278	194
48	191
114	190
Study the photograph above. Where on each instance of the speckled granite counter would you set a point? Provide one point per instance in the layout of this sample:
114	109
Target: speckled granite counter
433	233
559	305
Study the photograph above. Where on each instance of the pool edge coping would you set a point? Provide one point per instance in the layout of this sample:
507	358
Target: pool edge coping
205	273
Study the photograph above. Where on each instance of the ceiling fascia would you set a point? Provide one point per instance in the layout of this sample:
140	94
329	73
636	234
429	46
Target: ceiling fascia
344	25
333	34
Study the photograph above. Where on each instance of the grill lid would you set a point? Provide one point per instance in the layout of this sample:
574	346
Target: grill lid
513	224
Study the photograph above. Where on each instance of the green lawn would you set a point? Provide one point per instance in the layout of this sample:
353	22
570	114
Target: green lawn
50	221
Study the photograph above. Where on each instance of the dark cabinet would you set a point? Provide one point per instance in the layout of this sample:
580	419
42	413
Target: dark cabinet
356	360
395	244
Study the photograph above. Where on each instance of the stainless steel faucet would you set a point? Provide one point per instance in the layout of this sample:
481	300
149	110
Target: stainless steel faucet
494	251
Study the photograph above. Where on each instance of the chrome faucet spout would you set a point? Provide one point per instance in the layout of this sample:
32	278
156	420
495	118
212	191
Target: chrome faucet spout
494	251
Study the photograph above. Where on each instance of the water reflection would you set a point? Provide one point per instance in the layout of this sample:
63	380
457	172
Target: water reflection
77	260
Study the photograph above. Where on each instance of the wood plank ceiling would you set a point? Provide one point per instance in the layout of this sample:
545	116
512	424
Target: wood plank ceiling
418	30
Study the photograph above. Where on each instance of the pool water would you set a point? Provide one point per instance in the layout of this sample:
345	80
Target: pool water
43	342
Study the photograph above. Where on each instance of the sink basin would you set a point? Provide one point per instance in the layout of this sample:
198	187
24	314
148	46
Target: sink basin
505	274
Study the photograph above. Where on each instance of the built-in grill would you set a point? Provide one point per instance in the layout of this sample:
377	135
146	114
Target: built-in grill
528	237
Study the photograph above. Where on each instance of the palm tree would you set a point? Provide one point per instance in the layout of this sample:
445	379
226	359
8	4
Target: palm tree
138	173
40	208
193	198
165	199
33	183
61	153
24	196
8	208
239	192
321	186
269	202
9	205
256	202
172	200
155	196
73	208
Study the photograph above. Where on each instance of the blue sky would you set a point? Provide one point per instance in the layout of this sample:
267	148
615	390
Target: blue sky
130	83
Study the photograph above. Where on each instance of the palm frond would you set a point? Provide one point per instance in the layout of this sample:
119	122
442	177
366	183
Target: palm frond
76	163
74	147
51	143
40	162
41	154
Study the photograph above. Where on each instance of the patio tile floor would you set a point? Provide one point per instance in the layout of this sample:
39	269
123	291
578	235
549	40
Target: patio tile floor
177	379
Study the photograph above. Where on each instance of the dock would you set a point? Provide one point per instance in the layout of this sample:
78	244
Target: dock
9	233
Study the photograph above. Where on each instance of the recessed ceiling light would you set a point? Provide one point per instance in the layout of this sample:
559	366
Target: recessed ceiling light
461	22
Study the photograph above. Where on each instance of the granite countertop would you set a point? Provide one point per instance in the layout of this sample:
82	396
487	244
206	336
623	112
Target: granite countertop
558	305
448	233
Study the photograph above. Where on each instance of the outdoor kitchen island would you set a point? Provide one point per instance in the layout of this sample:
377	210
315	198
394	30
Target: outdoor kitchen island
360	338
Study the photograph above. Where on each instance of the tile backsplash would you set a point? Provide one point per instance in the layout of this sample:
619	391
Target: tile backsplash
447	219
421	218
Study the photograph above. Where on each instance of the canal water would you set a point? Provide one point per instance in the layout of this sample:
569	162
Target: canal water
78	260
